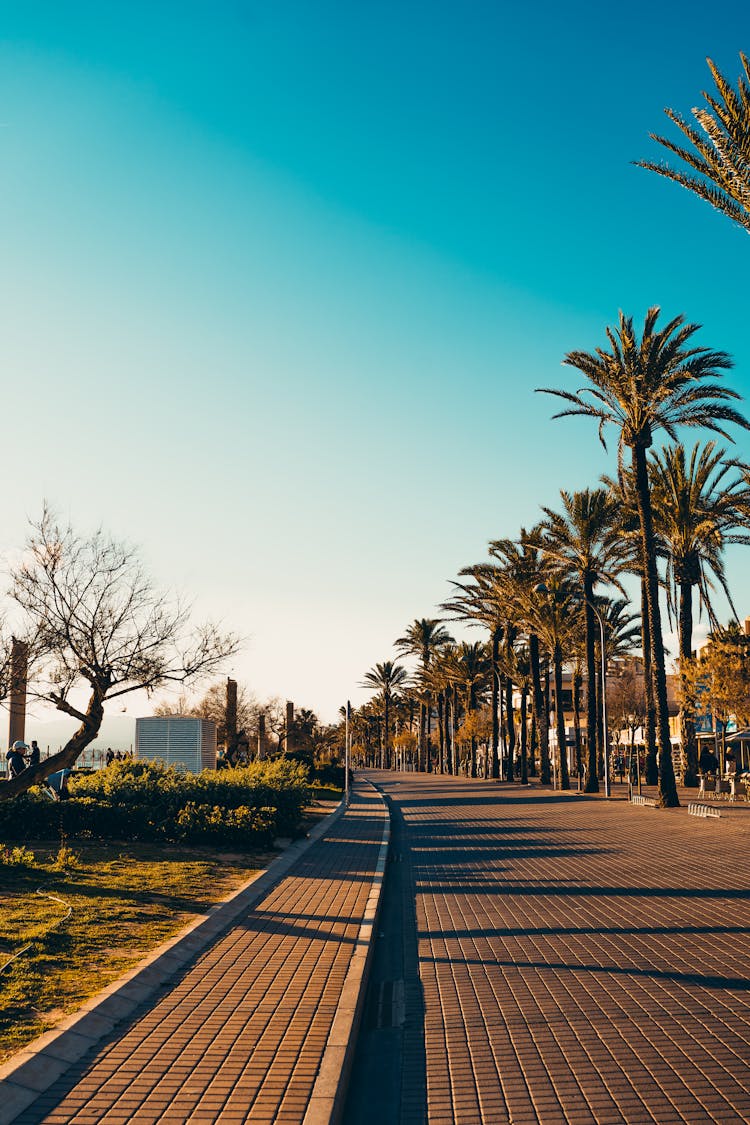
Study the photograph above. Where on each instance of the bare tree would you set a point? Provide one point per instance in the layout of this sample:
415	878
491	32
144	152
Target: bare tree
102	631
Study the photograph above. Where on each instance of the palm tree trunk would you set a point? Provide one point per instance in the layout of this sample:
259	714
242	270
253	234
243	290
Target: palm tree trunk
687	708
577	679
454	729
503	741
428	731
667	785
651	764
546	696
511	728
495	673
562	746
441	730
533	743
470	707
592	774
524	740
421	753
385	734
599	718
539	709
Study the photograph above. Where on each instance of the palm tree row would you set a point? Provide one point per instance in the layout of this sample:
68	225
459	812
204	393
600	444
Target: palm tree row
539	596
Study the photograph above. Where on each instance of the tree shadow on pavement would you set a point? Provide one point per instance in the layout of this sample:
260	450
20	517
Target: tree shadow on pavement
389	1075
734	984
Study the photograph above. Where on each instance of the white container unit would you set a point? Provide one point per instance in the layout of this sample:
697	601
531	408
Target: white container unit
187	743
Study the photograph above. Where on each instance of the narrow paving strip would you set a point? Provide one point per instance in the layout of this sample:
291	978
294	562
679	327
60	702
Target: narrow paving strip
240	1035
580	960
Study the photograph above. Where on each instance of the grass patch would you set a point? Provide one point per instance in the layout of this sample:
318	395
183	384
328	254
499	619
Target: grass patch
126	899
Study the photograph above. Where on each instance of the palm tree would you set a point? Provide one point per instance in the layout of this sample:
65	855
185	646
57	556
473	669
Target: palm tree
640	386
582	540
622	632
386	678
421	639
472	672
521	565
623	491
721	154
698	508
519	672
480	602
441	678
551	615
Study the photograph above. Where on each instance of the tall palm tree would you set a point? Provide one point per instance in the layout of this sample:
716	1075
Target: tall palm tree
441	678
421	639
720	155
551	613
622	633
472	672
582	541
521	566
623	490
385	679
480	601
699	508
518	665
657	382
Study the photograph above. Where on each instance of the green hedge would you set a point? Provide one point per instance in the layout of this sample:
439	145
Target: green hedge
138	800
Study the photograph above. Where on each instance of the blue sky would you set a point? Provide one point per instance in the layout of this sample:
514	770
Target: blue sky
279	282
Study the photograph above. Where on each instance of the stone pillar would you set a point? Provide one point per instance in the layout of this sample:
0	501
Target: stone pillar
230	721
19	658
289	726
262	747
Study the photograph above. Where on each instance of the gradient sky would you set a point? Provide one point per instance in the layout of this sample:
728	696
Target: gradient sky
278	282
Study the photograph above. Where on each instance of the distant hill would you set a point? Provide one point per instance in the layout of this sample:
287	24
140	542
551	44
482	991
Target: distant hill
118	731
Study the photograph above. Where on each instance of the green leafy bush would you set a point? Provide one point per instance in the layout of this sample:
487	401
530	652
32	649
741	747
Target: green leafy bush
329	774
16	857
140	800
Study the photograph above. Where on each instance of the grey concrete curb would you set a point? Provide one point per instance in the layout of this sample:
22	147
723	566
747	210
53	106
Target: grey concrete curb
326	1104
34	1069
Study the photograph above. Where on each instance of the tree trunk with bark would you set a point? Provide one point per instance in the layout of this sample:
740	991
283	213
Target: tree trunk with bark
90	720
495	673
562	746
667	784
540	715
511	729
592	773
652	763
687	707
577	681
524	739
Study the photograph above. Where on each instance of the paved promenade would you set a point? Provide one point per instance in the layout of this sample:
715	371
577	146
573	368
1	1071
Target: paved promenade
240	1035
572	960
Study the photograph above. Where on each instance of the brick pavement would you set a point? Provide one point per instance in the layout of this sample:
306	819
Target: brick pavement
580	960
239	1036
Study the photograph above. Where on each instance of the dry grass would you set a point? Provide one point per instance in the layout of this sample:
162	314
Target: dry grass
126	899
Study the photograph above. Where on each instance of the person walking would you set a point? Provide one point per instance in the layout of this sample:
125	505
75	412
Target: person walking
35	756
16	758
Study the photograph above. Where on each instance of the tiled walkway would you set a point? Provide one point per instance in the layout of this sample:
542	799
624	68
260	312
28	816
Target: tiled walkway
580	961
240	1035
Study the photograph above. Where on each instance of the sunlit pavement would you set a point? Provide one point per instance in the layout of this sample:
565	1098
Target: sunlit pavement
241	1033
573	960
